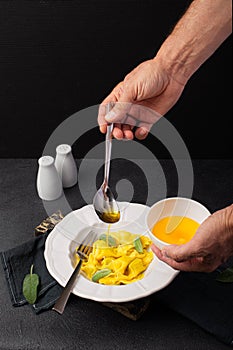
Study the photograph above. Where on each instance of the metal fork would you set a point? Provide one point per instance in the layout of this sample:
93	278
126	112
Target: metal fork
83	252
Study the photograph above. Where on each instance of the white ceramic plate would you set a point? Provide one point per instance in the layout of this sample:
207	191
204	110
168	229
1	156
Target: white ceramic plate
62	241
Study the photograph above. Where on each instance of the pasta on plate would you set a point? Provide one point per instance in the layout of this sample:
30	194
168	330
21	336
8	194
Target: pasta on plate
119	258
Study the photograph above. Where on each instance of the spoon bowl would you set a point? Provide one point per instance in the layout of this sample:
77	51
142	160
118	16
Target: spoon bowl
105	205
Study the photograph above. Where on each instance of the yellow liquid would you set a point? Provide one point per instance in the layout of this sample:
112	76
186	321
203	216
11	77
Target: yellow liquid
175	229
109	217
109	227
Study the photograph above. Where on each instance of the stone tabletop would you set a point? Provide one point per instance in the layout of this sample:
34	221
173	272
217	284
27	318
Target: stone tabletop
86	324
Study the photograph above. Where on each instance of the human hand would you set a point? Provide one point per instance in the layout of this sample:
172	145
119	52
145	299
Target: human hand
146	93
210	247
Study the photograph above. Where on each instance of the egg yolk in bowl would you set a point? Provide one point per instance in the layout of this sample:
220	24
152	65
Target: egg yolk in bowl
175	229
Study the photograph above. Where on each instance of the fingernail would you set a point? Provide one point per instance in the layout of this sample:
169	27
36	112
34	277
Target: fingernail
110	116
142	132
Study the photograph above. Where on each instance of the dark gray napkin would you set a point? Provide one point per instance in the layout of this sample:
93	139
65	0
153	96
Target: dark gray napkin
16	264
204	300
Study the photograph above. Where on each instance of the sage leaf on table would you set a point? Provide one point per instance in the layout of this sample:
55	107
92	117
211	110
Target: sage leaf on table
30	284
226	275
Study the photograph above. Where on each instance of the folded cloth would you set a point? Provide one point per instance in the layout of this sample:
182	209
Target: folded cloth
204	300
16	264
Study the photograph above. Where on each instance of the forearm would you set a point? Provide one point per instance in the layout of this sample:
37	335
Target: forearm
201	30
229	222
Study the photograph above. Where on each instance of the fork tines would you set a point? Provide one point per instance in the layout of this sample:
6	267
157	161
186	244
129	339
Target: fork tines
85	246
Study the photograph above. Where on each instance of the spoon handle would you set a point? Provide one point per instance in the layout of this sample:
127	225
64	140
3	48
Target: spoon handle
108	149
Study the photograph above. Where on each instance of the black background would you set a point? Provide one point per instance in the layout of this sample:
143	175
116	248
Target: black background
58	57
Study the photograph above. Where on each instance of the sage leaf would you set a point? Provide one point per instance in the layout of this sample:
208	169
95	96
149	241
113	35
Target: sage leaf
100	274
138	245
226	276
107	238
30	284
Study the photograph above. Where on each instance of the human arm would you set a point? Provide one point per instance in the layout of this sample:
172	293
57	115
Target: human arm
210	247
159	82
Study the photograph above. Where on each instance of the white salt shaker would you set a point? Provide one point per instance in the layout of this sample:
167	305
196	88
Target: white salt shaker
49	184
65	165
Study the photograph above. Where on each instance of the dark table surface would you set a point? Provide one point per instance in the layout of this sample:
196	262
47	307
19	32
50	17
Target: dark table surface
86	324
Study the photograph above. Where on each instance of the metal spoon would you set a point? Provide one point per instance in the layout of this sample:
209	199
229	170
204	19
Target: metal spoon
104	203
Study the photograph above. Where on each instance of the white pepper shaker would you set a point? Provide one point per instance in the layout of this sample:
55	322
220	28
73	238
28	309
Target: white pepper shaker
66	166
49	184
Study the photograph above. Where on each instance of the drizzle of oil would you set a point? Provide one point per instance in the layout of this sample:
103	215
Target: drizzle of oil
108	231
109	217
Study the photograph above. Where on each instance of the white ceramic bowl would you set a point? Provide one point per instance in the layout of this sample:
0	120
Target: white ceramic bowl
174	206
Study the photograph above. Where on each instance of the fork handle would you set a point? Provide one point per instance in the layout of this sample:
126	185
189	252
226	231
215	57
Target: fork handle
62	300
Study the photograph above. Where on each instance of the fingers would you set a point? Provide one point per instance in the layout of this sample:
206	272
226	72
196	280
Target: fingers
128	131
112	97
141	133
145	117
118	113
118	132
144	114
124	99
198	263
123	131
182	266
181	252
195	264
102	112
126	114
157	251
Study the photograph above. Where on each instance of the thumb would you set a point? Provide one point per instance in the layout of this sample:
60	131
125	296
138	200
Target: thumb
120	109
179	253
